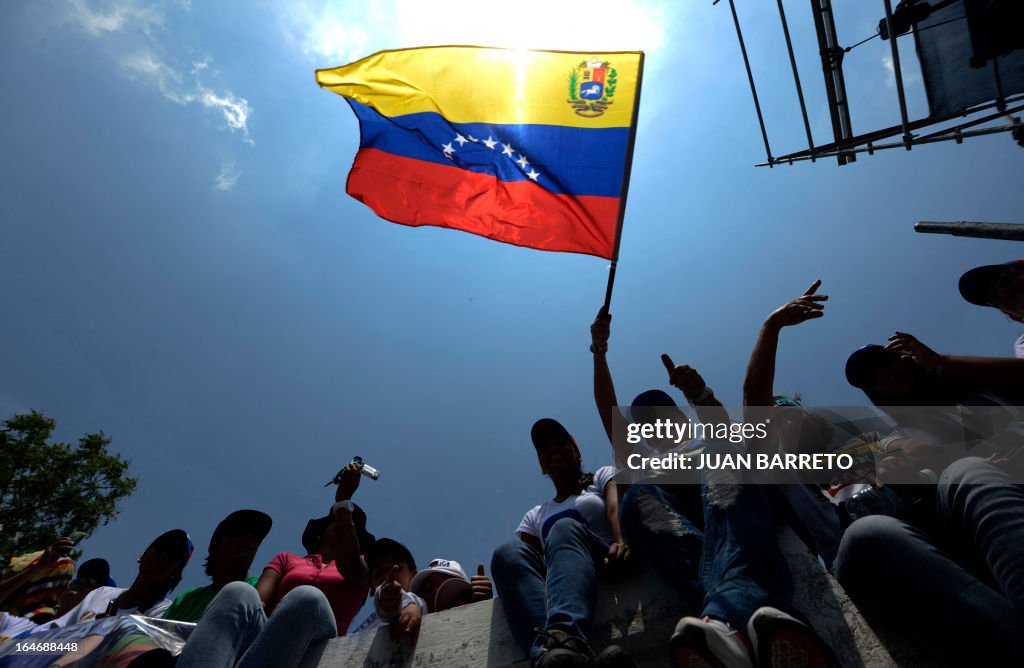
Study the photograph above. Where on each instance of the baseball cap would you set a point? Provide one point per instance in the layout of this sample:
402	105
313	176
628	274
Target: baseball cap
861	365
242	522
454	587
389	547
175	542
976	285
315	529
546	430
95	573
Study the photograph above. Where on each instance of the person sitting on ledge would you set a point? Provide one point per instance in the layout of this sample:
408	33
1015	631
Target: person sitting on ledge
298	604
232	548
547	576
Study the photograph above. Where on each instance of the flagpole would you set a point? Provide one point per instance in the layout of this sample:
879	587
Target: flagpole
625	186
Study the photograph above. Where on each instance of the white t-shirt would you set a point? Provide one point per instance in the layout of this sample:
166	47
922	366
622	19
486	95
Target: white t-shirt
588	507
95	603
13	625
1018	346
373	621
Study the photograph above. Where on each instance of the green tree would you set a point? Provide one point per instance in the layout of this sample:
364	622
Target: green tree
48	490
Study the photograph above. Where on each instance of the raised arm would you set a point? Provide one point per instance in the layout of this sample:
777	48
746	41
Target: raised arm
604	388
60	548
757	386
347	553
700	395
1001	375
760	378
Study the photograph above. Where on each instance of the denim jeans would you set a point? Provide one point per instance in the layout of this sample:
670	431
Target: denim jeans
909	581
235	631
735	562
556	590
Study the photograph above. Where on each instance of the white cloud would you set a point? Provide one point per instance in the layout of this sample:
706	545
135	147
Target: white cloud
227	178
116	16
140	53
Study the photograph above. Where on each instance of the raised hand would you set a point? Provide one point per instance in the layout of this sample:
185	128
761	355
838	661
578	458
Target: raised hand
350	478
481	586
684	377
59	548
908	345
600	330
805	307
389	595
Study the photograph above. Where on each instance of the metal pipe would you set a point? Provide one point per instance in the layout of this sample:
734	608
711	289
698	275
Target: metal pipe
963	228
856	143
750	78
796	79
897	73
832	67
930	139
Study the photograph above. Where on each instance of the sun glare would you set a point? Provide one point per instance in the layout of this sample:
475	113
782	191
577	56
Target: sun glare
597	25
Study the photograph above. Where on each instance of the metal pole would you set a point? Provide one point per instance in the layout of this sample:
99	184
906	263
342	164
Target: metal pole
832	69
796	79
951	134
897	72
963	228
750	78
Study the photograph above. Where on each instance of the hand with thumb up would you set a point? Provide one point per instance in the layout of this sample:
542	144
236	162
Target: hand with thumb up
389	595
481	585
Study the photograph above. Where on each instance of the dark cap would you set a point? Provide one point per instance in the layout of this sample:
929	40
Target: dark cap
546	429
862	364
240	523
384	547
643	407
175	543
95	573
313	535
976	285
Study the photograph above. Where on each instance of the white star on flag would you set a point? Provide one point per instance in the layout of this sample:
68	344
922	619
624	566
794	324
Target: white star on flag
459	138
533	174
508	150
522	161
489	142
448	150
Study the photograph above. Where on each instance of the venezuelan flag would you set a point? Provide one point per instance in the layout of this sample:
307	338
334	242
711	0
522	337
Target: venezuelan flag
531	148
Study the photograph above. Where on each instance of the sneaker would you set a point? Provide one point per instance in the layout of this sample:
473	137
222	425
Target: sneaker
562	650
782	641
614	656
708	643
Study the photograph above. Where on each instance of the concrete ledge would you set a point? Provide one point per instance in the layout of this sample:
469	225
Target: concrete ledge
638	614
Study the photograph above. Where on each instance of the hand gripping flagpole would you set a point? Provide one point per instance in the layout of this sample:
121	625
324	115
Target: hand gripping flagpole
625	187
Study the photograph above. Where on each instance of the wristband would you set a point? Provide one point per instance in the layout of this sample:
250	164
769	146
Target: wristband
598	349
345	505
703	396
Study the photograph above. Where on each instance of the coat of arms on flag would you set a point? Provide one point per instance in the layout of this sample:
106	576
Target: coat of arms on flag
592	87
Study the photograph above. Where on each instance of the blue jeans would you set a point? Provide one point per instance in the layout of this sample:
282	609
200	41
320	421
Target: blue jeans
735	562
556	590
235	630
909	581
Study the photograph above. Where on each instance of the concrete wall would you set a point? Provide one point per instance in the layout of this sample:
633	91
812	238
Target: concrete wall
638	614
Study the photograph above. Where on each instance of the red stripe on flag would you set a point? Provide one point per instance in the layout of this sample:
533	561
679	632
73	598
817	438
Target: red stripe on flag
414	192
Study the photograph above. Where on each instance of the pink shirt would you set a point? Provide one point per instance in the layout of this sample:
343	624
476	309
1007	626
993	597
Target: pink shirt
345	599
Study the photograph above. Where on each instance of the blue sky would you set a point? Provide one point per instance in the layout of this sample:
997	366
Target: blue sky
184	271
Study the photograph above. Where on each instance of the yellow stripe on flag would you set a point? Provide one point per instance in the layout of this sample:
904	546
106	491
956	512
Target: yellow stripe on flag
467	84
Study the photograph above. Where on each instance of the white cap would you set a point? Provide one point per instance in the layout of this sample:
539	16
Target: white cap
446	566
